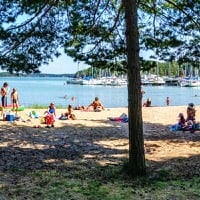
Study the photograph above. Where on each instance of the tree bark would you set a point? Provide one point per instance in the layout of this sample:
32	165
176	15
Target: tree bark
137	165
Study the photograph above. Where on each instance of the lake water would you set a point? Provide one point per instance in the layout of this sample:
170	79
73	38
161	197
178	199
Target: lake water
43	90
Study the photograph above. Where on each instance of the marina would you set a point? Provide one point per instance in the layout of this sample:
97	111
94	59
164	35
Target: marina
151	79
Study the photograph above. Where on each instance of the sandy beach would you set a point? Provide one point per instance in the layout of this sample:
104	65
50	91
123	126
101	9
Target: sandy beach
94	138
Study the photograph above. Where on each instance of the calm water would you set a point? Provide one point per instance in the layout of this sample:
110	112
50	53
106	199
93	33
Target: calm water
42	91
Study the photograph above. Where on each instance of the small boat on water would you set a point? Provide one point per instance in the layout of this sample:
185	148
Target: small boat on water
190	82
152	80
77	81
107	81
172	81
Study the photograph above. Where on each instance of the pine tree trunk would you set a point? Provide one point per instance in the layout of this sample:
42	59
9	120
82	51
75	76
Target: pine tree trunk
136	141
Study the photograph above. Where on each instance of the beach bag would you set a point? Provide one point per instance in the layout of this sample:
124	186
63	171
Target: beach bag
49	119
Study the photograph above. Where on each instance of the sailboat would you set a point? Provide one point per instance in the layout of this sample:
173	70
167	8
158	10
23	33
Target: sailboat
191	81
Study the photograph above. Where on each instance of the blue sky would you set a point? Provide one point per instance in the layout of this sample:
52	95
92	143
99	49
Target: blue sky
61	65
65	65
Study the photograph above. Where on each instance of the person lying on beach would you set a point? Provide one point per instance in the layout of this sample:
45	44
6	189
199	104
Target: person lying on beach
69	114
79	107
96	105
122	118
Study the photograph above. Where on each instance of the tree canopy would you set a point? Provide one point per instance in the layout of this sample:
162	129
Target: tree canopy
104	34
33	32
172	30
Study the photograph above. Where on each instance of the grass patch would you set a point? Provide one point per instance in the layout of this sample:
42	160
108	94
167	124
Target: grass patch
38	106
97	184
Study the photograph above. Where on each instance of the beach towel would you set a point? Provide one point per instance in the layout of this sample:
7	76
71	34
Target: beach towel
177	127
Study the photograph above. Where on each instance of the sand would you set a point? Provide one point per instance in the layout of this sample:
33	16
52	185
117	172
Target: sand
94	138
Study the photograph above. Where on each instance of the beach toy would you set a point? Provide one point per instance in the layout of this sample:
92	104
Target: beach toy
20	108
33	114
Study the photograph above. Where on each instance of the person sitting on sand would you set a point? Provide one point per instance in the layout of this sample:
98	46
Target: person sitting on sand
69	114
191	112
190	120
181	121
147	103
96	105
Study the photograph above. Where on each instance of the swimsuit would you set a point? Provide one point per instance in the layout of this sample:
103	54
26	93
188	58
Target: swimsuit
51	110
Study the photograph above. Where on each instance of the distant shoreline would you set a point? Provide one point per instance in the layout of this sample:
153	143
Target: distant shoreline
7	74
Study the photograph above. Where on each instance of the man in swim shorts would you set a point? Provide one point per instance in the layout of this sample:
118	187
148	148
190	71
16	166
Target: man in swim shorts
4	91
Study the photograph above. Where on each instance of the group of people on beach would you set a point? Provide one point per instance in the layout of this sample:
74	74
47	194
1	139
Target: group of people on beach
188	122
50	113
4	98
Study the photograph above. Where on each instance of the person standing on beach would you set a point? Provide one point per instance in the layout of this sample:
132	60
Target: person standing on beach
4	92
15	100
50	115
167	101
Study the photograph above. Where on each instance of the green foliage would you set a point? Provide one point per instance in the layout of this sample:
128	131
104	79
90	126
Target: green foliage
32	32
37	106
172	30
